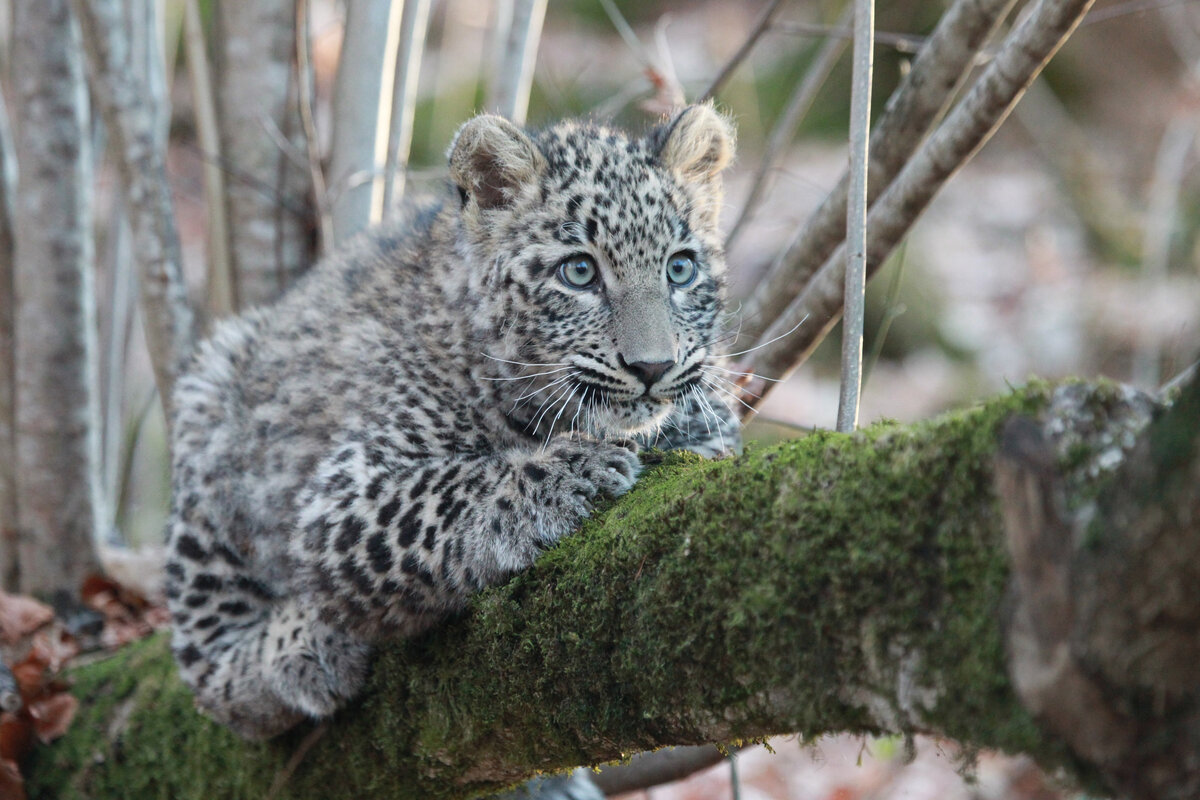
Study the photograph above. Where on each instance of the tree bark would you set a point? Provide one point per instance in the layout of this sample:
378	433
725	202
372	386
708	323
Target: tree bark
268	191
835	583
8	373
57	410
366	71
1105	629
130	97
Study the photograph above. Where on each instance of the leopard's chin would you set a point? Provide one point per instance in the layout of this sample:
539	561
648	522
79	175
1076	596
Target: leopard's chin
629	418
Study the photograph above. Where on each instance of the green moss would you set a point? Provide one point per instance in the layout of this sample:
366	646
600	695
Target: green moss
793	589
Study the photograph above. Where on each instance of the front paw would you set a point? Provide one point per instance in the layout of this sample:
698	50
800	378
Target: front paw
596	467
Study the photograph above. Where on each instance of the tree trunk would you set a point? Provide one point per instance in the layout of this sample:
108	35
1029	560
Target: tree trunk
57	411
835	583
268	190
8	374
361	99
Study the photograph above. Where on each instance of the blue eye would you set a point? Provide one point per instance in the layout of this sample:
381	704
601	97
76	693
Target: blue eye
578	272
681	269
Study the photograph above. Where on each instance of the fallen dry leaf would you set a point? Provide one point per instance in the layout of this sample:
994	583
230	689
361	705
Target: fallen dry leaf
12	786
16	737
21	616
52	715
127	615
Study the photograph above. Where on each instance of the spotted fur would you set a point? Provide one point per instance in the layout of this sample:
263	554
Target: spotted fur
434	406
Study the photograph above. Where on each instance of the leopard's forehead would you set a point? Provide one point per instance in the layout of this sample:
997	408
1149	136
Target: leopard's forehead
607	190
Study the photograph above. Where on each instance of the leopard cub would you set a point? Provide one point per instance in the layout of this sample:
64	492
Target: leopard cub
434	406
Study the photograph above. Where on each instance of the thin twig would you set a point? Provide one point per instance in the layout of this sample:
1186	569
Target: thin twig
785	129
668	93
304	82
510	90
244	178
856	217
118	324
969	125
220	299
1103	206
891	311
926	91
623	29
1183	377
900	42
133	437
1162	214
306	744
760	26
413	29
1117	10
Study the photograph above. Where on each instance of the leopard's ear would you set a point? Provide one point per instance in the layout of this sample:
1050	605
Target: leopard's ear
697	144
492	160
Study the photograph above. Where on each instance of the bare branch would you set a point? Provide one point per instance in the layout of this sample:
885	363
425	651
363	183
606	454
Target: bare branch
257	99
57	414
856	217
360	112
119	305
658	767
668	94
760	26
304	83
1099	200
901	42
219	299
968	126
509	92
785	129
121	92
1170	167
413	29
939	69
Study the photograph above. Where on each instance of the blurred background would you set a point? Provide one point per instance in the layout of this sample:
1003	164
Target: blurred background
1068	246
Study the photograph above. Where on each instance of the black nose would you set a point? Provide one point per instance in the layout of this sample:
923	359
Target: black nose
647	371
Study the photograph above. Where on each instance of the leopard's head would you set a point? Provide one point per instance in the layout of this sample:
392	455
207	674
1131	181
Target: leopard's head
597	264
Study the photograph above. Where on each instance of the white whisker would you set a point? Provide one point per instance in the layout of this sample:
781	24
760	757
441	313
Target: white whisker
566	401
705	411
524	363
730	394
579	407
708	409
531	375
554	382
743	374
728	384
553	401
793	329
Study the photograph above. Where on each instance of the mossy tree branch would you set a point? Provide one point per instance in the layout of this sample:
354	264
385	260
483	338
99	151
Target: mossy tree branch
837	583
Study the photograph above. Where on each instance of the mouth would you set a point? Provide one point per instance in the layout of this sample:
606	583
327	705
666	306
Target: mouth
600	411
